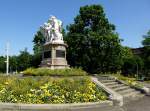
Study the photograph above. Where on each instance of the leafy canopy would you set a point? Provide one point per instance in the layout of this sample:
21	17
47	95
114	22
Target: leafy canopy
146	54
93	43
146	41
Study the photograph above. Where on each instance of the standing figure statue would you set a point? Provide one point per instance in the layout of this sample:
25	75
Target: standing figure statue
52	30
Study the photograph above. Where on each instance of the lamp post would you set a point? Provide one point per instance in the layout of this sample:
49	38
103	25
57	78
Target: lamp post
7	58
137	69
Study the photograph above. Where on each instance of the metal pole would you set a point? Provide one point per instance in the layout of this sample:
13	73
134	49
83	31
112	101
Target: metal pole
7	59
137	70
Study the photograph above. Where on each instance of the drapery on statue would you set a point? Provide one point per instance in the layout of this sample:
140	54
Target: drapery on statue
52	30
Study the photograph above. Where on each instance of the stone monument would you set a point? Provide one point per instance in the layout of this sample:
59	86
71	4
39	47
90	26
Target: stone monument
54	48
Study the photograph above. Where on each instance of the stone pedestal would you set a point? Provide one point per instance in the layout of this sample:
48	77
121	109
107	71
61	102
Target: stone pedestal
54	56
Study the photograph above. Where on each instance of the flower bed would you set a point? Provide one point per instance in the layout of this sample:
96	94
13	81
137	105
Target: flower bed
40	90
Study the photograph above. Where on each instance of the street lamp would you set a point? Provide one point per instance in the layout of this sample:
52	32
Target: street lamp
7	59
137	69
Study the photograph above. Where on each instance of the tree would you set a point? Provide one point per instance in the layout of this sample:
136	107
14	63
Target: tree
128	61
132	66
38	42
93	42
2	64
24	60
37	48
146	41
146	54
36	60
13	63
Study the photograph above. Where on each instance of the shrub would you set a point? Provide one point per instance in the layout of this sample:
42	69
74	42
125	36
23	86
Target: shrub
55	72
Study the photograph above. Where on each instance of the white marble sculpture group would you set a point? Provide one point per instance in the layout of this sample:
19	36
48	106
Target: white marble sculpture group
52	31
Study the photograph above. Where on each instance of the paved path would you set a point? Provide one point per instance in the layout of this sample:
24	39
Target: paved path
142	104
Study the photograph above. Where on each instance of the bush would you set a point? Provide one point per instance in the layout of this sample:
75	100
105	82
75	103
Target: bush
55	72
49	90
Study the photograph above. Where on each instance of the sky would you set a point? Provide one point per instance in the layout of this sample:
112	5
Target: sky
21	19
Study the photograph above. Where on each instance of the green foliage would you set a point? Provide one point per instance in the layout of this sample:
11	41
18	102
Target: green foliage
13	63
24	60
146	41
38	42
37	48
55	72
93	44
126	53
36	60
21	62
146	54
132	64
49	90
2	64
146	57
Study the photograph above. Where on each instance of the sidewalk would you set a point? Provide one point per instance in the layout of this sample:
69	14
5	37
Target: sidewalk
139	105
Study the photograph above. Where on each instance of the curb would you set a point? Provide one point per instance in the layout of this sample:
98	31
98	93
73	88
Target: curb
52	107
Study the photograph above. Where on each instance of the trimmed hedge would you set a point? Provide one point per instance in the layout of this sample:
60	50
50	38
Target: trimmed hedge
55	72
